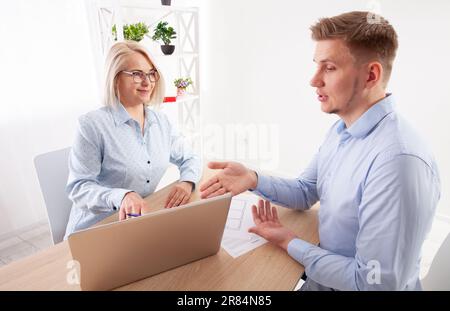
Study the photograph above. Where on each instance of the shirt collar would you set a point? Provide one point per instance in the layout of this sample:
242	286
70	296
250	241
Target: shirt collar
369	119
121	115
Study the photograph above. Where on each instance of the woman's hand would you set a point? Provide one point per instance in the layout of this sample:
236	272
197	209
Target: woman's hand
268	225
179	194
133	204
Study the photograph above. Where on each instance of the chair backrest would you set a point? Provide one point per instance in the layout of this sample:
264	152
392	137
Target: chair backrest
438	276
52	170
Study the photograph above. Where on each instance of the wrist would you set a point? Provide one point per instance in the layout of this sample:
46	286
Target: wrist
124	197
285	243
253	180
126	194
190	183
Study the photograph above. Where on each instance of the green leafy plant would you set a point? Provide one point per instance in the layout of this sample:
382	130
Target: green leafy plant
164	33
182	83
135	32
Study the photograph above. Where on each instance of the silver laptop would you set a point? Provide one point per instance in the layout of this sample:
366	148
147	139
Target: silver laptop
119	253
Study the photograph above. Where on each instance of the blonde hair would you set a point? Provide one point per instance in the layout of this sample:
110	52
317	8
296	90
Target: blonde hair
115	63
363	36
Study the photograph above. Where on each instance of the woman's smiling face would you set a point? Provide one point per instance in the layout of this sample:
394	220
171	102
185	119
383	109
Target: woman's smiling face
131	93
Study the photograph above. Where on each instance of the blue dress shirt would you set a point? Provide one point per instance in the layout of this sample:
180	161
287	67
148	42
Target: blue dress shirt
111	156
378	187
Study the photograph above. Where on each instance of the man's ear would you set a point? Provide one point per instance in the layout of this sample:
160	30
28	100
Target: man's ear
375	73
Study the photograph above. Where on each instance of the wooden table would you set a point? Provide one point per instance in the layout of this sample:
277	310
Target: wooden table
265	268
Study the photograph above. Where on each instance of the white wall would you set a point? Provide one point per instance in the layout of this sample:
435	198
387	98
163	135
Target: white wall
259	63
47	81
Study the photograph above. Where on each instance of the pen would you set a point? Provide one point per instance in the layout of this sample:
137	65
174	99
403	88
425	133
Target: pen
133	215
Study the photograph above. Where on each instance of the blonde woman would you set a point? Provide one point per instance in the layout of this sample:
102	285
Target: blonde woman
122	150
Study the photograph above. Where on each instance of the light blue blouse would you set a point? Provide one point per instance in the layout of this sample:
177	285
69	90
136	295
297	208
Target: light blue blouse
111	156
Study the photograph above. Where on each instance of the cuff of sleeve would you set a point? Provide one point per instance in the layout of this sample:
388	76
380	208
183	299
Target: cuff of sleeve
297	249
191	178
116	197
263	185
189	181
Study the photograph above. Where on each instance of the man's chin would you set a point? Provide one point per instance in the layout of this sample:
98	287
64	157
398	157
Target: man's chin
328	110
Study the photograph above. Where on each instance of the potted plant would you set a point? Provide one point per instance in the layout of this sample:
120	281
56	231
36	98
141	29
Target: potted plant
165	33
135	32
181	84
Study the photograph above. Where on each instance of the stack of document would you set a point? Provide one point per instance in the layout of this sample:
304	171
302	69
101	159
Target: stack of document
236	239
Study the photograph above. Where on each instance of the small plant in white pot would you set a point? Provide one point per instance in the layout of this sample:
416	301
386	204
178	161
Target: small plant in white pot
181	84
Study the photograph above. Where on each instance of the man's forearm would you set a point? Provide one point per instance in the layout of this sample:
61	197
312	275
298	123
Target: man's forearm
292	193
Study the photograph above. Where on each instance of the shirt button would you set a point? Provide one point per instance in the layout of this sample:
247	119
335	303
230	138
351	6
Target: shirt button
148	162
148	181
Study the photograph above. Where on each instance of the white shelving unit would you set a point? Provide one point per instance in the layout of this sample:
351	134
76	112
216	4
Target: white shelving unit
184	62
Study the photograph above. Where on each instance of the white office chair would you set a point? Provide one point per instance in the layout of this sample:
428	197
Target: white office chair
52	170
438	276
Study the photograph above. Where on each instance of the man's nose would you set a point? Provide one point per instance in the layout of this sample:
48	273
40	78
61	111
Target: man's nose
316	81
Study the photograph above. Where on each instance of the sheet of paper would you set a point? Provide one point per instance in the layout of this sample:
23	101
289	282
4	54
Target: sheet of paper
236	239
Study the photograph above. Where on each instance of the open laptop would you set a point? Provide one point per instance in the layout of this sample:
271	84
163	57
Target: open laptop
119	253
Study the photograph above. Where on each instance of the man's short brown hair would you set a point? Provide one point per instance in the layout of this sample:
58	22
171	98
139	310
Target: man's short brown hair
366	34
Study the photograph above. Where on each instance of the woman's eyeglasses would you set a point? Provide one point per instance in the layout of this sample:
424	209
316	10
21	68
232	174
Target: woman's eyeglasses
139	76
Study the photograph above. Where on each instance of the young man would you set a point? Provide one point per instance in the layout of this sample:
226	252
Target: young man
377	183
